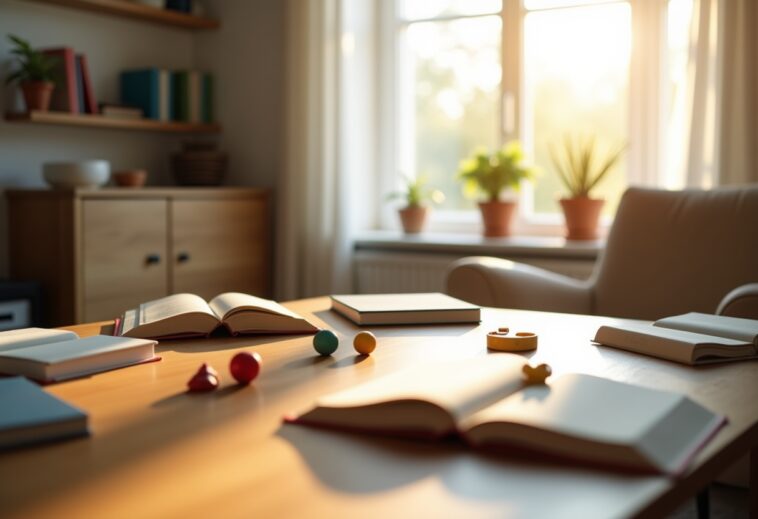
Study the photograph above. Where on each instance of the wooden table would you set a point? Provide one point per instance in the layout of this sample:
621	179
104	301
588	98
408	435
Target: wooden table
156	451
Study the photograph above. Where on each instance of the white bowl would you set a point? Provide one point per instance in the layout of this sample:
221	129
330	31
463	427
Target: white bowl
85	173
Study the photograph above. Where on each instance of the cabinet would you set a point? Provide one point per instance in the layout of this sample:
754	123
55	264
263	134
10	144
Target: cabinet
99	252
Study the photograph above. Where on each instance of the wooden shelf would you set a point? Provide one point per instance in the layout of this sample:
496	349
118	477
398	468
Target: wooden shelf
99	121
126	9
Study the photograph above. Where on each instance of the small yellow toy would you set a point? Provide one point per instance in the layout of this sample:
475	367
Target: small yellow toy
521	341
536	375
364	343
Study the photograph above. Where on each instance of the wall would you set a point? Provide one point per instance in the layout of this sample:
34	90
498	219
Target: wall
245	55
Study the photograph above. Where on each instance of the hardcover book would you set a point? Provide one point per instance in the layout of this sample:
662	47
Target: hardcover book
55	355
692	338
431	308
65	96
149	90
483	401
188	315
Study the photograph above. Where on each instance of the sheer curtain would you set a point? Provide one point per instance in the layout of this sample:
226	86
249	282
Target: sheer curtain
324	193
719	140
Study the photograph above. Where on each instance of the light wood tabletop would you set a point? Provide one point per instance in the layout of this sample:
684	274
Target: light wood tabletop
157	451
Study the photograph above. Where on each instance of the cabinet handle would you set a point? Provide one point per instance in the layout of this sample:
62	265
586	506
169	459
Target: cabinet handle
183	257
152	259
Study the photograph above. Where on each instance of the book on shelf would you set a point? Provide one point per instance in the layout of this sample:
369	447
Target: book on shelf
150	90
80	84
183	6
89	101
188	315
65	96
192	93
424	308
120	111
692	338
32	415
54	355
483	401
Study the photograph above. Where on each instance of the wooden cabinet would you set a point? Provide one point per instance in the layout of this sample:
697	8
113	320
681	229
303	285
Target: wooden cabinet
99	252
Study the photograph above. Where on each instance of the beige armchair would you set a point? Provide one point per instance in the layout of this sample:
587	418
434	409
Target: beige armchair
668	252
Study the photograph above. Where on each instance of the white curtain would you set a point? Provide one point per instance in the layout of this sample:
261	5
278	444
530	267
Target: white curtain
720	145
327	166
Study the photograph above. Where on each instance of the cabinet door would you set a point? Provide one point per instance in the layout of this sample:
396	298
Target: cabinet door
220	246
124	255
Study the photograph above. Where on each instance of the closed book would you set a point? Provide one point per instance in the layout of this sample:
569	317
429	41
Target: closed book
31	415
65	95
90	102
53	358
180	98
80	84
195	96
484	402
207	99
149	90
426	308
183	6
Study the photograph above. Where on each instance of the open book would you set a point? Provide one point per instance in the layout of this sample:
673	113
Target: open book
187	315
692	338
55	355
484	401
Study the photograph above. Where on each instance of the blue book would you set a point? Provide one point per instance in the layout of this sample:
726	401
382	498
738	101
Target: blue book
150	90
31	415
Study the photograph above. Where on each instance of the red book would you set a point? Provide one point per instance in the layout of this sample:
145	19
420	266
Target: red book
64	95
90	104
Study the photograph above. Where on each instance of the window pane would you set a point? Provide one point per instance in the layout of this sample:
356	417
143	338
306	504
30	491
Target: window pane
448	98
576	67
425	9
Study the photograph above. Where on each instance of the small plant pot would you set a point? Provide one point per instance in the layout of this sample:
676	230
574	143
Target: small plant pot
582	216
130	178
413	219
497	217
37	95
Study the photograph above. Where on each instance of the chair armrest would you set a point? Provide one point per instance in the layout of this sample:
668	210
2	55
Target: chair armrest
501	283
740	302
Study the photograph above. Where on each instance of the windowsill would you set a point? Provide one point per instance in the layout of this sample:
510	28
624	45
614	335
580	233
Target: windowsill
474	244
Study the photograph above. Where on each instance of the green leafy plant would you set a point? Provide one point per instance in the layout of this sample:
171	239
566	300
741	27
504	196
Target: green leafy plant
33	65
580	166
493	173
417	193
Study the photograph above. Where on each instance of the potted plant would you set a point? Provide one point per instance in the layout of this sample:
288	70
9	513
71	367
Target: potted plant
417	196
581	167
35	75
491	174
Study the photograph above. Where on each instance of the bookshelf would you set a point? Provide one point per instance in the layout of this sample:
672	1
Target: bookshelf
99	121
126	9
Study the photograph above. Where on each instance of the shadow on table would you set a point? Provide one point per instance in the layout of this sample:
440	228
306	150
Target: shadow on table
342	324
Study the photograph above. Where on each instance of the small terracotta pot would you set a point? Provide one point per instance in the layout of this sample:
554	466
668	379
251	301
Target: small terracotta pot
37	95
130	178
582	216
413	219
497	218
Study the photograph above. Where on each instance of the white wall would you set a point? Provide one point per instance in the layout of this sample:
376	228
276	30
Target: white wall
245	55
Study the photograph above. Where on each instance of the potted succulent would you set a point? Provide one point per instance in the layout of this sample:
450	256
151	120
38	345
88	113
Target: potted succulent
417	196
581	167
35	75
492	174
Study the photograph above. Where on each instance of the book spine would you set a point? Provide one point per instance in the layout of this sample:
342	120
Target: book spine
141	89
194	96
65	98
207	98
89	94
79	84
164	96
181	96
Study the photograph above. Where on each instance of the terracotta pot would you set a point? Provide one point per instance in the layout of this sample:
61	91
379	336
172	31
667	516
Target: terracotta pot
413	219
130	178
497	218
582	216
37	95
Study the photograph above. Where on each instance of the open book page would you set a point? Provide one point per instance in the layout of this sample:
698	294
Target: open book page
15	339
719	325
229	303
677	345
600	420
428	398
191	313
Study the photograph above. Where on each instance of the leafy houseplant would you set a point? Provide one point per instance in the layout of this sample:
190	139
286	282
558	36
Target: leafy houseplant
581	167
491	174
417	195
35	74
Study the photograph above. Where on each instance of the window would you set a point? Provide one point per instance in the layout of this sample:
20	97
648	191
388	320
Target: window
468	73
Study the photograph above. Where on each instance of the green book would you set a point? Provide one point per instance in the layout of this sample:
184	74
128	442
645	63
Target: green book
180	90
206	99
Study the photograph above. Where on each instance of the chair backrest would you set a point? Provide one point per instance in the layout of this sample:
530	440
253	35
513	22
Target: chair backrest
671	252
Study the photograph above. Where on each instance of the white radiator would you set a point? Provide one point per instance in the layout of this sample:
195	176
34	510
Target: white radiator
387	272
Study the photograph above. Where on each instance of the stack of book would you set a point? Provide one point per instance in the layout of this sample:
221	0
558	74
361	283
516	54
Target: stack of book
164	95
73	92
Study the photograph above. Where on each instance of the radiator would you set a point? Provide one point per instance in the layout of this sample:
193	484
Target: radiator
387	272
